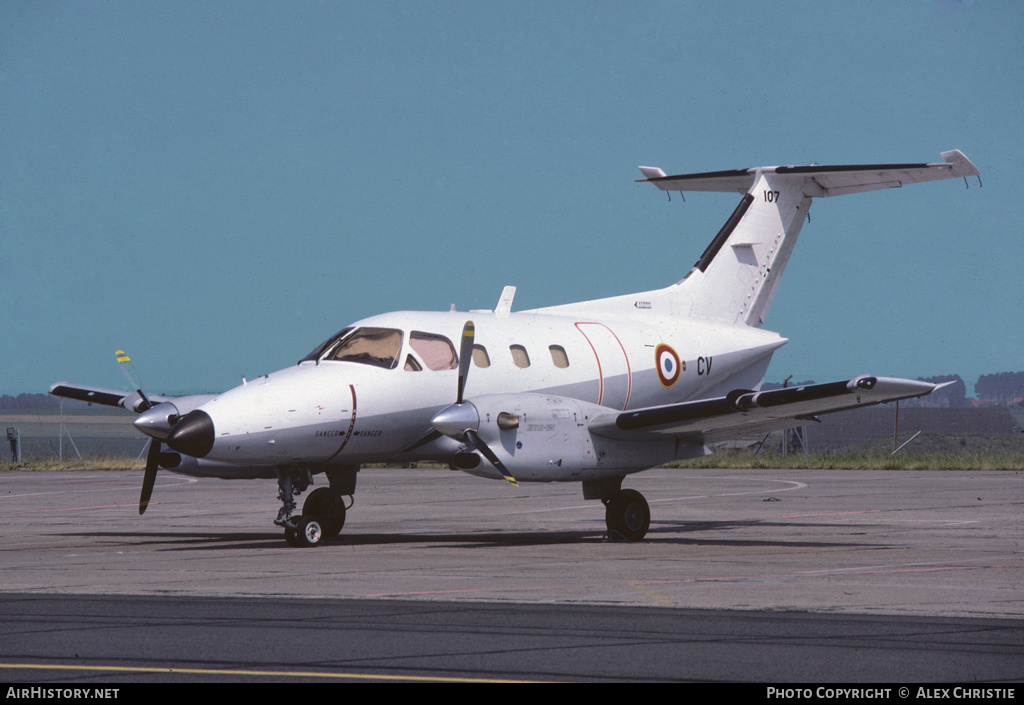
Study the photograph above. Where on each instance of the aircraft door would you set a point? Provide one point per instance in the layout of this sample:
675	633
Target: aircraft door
615	380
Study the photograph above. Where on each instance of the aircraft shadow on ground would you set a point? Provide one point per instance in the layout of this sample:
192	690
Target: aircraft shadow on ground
683	533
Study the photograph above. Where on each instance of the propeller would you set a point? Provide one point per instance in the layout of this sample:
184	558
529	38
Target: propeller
129	371
465	355
472	438
152	465
153	457
461	420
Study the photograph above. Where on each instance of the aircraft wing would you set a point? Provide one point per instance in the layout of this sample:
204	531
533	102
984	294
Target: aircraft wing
99	395
819	180
748	414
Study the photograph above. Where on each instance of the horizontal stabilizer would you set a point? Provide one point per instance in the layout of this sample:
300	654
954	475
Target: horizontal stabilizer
819	180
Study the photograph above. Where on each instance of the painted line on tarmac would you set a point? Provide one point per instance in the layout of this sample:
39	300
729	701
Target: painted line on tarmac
828	514
265	674
821	573
457	592
77	509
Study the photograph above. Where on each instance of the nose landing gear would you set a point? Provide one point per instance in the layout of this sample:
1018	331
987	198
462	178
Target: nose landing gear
323	512
306	533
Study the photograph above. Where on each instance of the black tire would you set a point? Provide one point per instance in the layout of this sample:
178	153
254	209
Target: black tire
328	509
290	537
308	532
628	514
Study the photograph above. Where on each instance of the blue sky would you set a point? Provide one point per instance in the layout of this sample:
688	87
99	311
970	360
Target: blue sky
217	186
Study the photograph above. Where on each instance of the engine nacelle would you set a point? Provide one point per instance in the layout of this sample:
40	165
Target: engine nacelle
546	438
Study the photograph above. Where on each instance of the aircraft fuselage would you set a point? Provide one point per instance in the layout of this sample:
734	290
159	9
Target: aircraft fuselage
323	412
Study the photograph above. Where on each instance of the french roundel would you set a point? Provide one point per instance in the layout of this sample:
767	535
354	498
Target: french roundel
667	362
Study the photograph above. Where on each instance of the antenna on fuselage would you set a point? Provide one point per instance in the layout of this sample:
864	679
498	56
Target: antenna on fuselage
504	306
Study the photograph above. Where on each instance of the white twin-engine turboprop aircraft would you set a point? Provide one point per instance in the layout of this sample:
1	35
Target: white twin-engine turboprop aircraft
587	392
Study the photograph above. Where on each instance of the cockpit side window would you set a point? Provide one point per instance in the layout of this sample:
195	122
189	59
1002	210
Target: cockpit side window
323	347
370	346
436	351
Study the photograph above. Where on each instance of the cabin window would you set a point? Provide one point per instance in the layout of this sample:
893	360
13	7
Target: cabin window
480	356
436	351
520	356
370	346
558	356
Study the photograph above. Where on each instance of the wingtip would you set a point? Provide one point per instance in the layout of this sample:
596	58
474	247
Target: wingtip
650	172
962	166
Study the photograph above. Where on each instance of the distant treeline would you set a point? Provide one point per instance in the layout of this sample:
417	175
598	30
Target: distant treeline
1003	388
999	389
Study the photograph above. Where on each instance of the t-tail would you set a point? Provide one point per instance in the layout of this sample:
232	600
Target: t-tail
736	277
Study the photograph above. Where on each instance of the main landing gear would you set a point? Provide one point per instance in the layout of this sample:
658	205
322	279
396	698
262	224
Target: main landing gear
626	513
323	512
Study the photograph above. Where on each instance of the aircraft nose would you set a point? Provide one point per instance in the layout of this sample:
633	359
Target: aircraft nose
193	434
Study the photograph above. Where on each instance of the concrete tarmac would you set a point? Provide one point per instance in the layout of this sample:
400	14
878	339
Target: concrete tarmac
763	576
941	544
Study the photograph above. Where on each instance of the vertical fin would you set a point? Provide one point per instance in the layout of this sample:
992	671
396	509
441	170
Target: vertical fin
736	278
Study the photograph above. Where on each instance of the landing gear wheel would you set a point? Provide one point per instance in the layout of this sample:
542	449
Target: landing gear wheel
628	514
306	534
328	509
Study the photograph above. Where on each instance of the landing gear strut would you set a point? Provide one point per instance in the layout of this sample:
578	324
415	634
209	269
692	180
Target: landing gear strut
323	512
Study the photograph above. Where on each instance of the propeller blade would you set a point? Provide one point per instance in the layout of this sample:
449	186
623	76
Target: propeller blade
474	440
465	356
432	435
129	371
152	465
